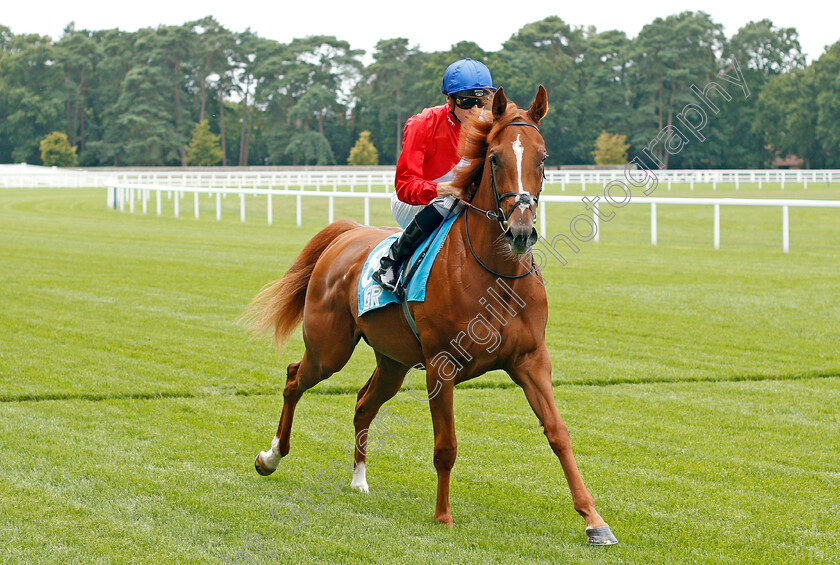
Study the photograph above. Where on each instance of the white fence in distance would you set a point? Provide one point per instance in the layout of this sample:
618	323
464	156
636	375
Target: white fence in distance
383	179
121	196
41	177
736	177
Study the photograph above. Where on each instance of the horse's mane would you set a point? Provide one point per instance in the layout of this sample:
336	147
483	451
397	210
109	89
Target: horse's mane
476	135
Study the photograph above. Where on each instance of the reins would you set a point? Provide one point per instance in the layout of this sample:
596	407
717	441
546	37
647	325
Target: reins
499	215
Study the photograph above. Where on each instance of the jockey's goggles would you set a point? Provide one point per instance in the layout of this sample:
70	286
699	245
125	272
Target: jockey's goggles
467	102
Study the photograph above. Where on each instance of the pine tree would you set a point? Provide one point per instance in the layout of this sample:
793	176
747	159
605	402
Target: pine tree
364	152
611	149
204	150
57	152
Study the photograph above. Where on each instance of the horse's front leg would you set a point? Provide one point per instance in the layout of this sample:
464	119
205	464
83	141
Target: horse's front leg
532	372
446	445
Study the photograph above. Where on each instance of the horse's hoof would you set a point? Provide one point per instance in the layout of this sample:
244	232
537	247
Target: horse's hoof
446	520
359	481
600	536
258	465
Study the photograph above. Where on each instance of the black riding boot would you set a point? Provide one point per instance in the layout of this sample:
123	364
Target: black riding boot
423	224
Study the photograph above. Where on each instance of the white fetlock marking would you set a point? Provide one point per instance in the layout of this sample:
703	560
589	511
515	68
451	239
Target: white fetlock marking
271	458
359	481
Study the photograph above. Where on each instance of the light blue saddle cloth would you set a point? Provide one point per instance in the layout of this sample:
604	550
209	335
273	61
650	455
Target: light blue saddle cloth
372	296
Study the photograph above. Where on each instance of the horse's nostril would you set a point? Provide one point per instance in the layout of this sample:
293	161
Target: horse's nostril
521	239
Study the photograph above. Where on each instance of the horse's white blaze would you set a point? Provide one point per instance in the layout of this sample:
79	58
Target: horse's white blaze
271	458
518	150
359	480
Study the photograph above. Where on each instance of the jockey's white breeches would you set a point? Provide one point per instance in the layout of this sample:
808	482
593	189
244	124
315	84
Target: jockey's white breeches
404	212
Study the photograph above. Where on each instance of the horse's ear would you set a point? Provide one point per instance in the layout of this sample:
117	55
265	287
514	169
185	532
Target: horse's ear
539	107
499	103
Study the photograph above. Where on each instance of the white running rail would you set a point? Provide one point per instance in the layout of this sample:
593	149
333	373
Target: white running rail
716	203
121	196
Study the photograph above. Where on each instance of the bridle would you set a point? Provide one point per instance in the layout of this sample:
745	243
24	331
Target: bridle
521	198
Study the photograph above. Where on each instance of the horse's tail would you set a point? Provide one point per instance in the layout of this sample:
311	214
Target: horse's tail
278	308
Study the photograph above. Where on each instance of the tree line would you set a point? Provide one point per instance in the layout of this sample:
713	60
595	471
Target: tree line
134	98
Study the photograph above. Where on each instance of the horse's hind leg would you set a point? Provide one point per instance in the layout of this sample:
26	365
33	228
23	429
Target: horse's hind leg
322	358
385	382
267	461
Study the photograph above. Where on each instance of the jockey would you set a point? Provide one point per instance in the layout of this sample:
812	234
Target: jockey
424	192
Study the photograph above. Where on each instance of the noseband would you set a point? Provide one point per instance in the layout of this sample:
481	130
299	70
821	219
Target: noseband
521	198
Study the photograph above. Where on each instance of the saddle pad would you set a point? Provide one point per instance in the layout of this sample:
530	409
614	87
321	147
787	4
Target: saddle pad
372	296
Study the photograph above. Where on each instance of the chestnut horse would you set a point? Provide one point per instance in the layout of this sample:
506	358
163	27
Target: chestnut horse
502	181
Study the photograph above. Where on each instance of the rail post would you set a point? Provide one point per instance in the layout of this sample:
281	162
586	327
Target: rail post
785	230
653	223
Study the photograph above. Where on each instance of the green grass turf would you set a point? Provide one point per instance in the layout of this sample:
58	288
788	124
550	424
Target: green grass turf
132	403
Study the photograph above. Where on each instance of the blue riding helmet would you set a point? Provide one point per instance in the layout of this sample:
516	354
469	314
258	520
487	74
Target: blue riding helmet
467	75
